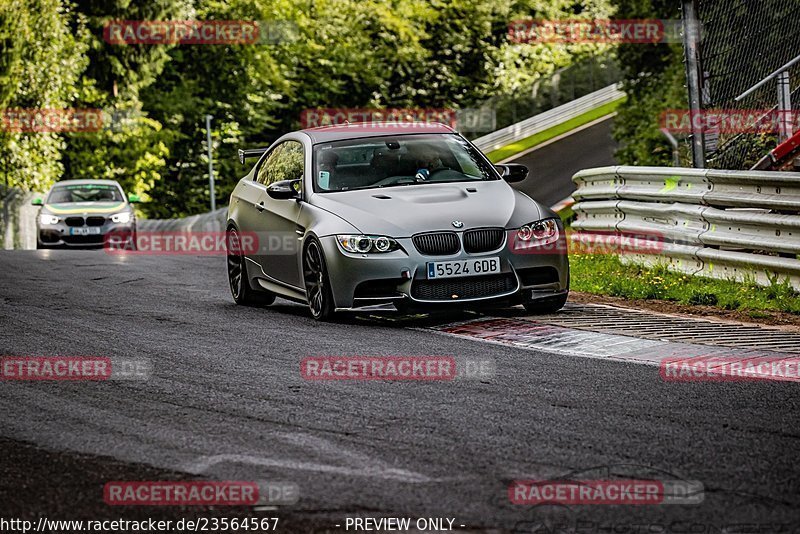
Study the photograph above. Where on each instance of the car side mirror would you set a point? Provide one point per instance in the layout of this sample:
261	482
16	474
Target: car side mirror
37	201
512	172
284	190
133	198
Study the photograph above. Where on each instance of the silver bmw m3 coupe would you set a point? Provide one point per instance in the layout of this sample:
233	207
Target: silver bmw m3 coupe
348	216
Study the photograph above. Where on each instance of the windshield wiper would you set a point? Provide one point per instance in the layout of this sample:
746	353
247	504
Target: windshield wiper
399	184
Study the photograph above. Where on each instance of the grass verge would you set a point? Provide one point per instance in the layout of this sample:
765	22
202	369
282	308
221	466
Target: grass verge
536	139
606	275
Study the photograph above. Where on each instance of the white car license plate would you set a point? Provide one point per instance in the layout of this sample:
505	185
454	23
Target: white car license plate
85	231
452	269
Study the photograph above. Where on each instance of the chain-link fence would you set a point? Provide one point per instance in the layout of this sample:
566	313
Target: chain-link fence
742	43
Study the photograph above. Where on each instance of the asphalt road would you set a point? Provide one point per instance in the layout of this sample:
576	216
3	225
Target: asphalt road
226	401
552	166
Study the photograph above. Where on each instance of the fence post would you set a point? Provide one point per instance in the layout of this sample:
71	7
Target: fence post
784	106
210	164
691	39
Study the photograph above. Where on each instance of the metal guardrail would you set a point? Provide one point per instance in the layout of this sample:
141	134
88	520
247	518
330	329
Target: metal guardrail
213	221
721	224
548	119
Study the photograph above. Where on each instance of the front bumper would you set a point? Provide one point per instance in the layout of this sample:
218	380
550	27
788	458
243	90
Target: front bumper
60	235
359	280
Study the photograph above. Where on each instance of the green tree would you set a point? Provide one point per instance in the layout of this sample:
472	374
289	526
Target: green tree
240	85
522	64
345	53
132	147
43	55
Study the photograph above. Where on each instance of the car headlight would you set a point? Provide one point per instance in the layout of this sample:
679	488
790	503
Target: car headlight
367	244
537	234
124	217
45	218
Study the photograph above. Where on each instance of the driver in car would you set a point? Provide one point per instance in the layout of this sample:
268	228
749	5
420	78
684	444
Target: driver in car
428	161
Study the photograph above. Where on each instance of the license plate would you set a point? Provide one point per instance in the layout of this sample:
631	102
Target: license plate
452	269
84	231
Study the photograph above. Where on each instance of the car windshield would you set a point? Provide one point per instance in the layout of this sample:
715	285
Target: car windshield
85	193
398	160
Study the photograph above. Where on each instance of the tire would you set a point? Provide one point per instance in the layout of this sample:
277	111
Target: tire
132	242
238	279
317	282
544	306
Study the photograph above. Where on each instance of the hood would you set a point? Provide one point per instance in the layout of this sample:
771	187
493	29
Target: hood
406	210
79	208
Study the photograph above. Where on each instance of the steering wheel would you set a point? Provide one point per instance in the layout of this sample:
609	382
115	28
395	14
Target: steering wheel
393	180
430	174
438	169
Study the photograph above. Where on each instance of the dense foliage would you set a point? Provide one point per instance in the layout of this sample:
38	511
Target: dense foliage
654	82
339	53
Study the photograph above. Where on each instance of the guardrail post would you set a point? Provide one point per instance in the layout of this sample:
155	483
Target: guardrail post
6	225
691	39
210	165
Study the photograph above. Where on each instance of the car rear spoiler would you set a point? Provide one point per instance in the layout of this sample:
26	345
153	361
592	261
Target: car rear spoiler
251	153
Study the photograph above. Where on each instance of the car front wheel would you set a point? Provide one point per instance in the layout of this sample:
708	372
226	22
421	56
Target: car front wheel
317	282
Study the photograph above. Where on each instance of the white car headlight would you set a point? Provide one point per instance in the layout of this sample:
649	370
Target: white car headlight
537	234
124	217
48	219
365	244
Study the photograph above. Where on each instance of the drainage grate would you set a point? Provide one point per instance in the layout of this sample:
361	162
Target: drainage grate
651	325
